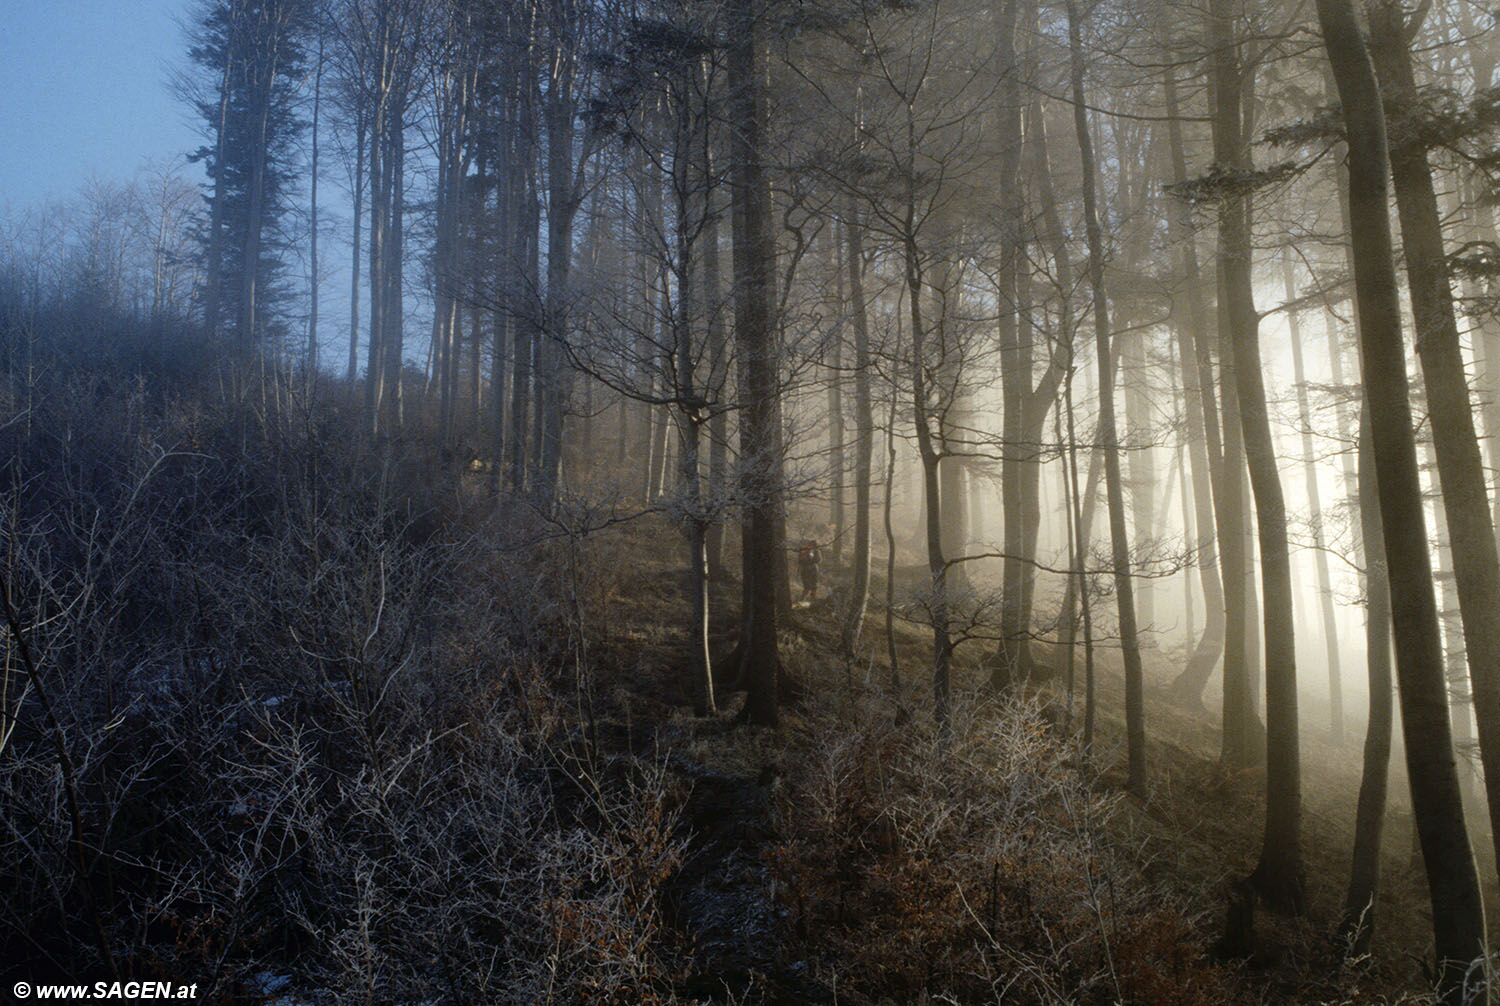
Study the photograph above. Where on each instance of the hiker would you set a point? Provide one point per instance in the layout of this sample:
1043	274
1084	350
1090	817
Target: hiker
808	558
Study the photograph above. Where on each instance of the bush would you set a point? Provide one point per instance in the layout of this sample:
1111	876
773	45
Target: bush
311	717
973	869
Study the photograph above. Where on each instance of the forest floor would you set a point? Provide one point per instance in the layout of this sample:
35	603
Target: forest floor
800	884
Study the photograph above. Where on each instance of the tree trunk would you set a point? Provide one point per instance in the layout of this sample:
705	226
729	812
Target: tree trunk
379	212
1476	565
690	418
214	266
864	434
837	447
928	451
1369	816
1013	660
1457	909
524	329
393	337
1315	508
1278	876
360	127
1140	466
892	657
718	361
1205	447
755	335
564	196
1026	411
312	181
1135	713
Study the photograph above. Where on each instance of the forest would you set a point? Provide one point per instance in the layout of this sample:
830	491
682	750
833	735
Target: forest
765	502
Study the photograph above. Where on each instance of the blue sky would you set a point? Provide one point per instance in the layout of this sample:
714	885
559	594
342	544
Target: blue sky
85	91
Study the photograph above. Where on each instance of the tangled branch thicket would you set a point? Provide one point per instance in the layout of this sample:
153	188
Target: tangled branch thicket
309	711
976	868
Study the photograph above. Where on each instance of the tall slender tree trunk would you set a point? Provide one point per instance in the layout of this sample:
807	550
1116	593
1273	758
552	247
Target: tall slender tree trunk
394	336
1026	409
1078	585
1278	875
360	128
1457	909
214	266
755	333
503	318
312	253
1369	816
1135	712
1224	633
892	657
1476	565
864	433
379	218
524	328
952	422
1140	462
690	414
564	196
1184	498
1450	619
1013	659
1315	508
263	71
445	305
931	457
719	382
837	446
1480	50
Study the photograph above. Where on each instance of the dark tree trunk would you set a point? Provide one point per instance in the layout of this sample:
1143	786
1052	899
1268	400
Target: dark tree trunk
1457	909
564	196
1205	450
379	214
312	254
360	128
1369	817
1140	464
525	240
214	254
1013	661
837	447
1476	564
1278	876
689	206
718	360
755	335
931	457
393	337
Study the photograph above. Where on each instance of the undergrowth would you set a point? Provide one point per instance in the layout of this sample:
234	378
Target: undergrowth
283	705
971	867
